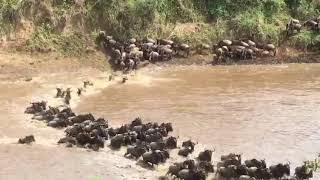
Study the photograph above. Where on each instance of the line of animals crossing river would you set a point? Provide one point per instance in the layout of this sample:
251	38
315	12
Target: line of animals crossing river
152	144
132	53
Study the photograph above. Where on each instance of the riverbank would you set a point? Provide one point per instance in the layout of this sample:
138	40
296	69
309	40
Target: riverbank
28	64
285	55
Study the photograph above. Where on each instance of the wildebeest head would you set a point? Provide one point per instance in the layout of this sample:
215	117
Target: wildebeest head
184	152
167	126
189	144
171	142
136	122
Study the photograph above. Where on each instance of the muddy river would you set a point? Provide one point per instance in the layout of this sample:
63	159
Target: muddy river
269	112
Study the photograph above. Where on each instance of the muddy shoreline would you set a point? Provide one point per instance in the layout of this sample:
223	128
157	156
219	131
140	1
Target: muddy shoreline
28	65
285	59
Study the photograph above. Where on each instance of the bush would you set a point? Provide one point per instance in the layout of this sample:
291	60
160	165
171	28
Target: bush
9	15
305	40
44	38
306	10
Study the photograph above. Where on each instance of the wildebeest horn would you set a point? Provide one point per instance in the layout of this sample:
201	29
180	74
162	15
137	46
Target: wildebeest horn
214	150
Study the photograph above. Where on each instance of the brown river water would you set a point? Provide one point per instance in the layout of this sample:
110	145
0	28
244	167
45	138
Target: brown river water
267	112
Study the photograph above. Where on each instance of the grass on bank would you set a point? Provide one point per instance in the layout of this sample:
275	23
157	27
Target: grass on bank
67	26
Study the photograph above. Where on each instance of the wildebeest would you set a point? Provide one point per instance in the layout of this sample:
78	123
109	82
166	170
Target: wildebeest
184	151
187	148
136	151
155	157
79	91
59	93
280	170
227	172
68	139
189	174
293	25
67	98
231	156
82	117
87	83
36	107
171	142
160	145
27	140
312	24
182	49
117	141
303	172
124	79
205	155
189	144
255	163
206	166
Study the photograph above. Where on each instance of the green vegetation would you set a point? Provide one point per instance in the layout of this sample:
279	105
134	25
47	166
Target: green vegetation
44	38
9	15
67	25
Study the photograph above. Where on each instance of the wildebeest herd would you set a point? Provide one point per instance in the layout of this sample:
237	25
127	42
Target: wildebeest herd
128	55
295	26
242	49
152	144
